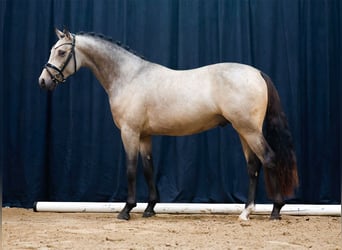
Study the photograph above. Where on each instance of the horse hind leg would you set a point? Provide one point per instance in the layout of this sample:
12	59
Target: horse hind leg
253	168
265	154
146	155
275	193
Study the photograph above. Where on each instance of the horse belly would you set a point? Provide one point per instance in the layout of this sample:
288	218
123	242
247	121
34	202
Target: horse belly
175	124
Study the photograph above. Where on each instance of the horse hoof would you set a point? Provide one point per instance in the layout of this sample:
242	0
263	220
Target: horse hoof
147	214
123	216
275	217
243	217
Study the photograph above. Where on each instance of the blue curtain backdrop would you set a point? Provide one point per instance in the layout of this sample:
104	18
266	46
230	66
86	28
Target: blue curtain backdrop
63	146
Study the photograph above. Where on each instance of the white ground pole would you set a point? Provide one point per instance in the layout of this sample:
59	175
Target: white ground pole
184	208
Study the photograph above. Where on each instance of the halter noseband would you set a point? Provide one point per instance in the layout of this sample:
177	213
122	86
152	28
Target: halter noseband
59	77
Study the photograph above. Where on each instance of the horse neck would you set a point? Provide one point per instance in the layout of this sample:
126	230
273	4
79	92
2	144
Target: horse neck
111	64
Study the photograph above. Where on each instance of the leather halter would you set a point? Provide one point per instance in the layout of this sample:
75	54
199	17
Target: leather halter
59	77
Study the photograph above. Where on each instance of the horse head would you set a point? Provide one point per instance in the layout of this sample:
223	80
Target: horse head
59	67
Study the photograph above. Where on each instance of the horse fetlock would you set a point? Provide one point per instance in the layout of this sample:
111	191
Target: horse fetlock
275	215
149	212
247	211
243	216
124	214
129	206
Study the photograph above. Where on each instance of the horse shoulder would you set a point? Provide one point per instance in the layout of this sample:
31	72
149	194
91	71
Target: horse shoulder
128	107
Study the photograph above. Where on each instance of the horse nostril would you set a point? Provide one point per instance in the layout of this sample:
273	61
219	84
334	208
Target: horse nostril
42	83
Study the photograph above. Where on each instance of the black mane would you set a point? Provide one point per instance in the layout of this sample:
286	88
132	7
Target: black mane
109	39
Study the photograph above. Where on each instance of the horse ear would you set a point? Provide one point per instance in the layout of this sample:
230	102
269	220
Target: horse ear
59	33
67	33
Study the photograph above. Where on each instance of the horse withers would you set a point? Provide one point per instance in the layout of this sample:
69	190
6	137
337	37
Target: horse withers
149	99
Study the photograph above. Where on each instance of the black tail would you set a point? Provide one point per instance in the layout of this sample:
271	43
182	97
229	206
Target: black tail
279	138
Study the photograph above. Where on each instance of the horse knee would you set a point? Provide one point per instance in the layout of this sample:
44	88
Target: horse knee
131	174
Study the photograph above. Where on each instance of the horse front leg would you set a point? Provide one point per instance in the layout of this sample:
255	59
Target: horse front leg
130	140
146	155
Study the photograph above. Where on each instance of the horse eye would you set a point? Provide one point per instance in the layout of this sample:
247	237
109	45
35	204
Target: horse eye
61	53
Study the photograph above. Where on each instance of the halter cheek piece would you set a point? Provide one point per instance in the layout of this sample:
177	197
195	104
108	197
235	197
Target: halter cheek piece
59	77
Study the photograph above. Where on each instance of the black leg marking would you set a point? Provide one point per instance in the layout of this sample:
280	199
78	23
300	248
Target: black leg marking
146	155
131	187
253	165
149	211
276	195
275	215
153	192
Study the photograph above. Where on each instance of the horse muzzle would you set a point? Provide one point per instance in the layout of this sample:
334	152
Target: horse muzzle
47	83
